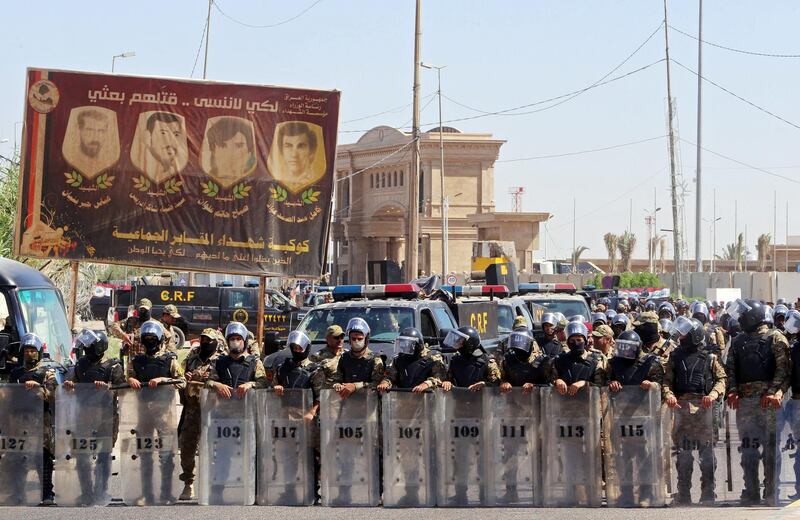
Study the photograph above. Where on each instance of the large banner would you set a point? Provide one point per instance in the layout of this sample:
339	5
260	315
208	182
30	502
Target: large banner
159	172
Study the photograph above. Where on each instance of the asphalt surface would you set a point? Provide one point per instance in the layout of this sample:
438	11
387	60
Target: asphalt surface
313	513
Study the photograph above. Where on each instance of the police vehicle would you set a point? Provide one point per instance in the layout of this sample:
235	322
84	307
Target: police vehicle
553	297
29	302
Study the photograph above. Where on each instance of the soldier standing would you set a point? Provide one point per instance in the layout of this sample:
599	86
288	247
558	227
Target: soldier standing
758	367
41	379
649	330
551	346
94	368
414	367
693	377
715	338
579	366
236	371
196	369
359	367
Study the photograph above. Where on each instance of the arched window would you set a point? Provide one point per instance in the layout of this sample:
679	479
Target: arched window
401	177
371	180
383	179
395	177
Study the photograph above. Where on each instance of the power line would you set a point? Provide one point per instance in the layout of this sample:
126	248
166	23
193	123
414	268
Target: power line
267	26
199	48
740	51
359	199
737	96
401	127
378	162
387	111
741	163
581	152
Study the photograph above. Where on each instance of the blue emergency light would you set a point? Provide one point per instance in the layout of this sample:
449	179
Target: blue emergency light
405	291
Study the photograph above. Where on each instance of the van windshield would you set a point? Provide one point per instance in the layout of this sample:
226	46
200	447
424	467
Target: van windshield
385	323
43	314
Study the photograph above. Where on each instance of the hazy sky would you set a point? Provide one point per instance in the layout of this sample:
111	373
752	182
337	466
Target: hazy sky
498	55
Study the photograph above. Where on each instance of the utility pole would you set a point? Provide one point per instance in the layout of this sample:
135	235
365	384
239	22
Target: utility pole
698	257
775	231
208	33
786	248
412	243
445	238
574	259
676	232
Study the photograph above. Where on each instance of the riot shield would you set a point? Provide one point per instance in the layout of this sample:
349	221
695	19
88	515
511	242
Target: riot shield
227	450
409	477
787	469
350	449
148	439
285	448
512	421
21	429
571	436
84	443
746	453
461	448
694	435
634	448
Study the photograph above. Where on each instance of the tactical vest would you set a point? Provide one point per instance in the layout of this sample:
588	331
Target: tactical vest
87	371
711	340
235	372
552	348
692	372
755	360
466	371
573	369
146	367
20	375
519	372
632	371
796	369
292	375
412	371
356	370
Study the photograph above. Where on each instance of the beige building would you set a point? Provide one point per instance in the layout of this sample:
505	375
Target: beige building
371	202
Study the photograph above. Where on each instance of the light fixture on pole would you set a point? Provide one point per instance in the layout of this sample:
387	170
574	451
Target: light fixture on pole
129	54
445	241
545	235
650	220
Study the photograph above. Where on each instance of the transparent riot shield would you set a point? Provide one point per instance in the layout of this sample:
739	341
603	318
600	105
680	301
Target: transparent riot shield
634	448
512	430
350	449
84	443
285	448
571	436
227	473
746	454
409	459
21	429
148	440
461	448
787	469
694	437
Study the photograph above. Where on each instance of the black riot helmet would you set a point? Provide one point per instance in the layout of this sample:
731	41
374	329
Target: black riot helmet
467	340
755	314
410	342
628	345
520	344
299	345
699	311
94	344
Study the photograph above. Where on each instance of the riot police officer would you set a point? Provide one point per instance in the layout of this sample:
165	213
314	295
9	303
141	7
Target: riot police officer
237	371
666	311
93	368
358	367
196	369
551	346
779	317
414	367
648	327
757	367
792	411
619	324
598	318
715	339
693	377
471	367
152	368
579	366
521	365
40	378
631	366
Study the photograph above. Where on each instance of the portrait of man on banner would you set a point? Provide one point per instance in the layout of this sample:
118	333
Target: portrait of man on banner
91	141
159	148
229	151
297	157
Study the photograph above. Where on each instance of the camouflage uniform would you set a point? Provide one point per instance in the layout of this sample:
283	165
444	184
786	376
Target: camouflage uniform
535	369
492	377
655	372
196	370
751	376
691	430
715	338
663	347
598	375
259	376
328	363
434	380
174	367
344	375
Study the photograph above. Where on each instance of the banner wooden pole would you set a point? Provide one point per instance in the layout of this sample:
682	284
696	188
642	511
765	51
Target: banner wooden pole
262	293
74	296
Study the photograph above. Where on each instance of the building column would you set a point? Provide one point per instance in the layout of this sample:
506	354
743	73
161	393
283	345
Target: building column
396	250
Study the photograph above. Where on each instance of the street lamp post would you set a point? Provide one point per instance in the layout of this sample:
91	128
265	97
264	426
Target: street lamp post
129	54
445	229
651	226
545	235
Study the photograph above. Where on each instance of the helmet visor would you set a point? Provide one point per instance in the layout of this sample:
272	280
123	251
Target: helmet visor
792	323
405	344
519	341
736	308
455	339
298	338
86	338
626	349
681	327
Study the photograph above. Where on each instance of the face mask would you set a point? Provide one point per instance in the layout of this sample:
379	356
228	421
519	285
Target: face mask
151	344
236	346
576	347
298	356
144	315
357	345
648	332
521	355
686	342
91	355
207	348
30	359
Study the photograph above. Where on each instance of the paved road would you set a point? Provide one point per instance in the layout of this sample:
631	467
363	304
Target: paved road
320	513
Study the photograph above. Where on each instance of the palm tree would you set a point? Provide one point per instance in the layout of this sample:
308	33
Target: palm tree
626	244
576	256
762	246
611	247
734	252
662	254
